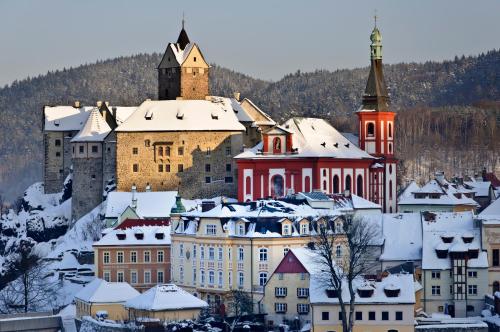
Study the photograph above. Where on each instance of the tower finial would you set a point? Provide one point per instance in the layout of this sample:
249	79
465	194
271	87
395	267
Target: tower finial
183	19
375	17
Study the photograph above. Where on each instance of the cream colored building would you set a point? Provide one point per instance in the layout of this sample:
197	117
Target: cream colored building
238	246
384	305
100	295
490	230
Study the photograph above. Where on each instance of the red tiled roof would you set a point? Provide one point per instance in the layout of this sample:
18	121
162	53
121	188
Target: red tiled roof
290	264
129	223
495	182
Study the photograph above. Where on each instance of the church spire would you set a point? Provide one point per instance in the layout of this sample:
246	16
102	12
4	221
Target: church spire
376	96
183	39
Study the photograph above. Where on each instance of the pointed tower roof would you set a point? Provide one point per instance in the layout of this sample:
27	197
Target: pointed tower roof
94	130
183	38
376	96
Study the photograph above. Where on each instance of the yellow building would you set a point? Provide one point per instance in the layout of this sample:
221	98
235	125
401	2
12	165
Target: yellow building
165	303
237	245
380	305
103	296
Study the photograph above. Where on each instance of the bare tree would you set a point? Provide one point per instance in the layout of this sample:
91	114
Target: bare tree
240	305
33	290
358	236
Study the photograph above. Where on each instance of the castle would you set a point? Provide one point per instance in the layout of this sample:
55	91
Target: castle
206	146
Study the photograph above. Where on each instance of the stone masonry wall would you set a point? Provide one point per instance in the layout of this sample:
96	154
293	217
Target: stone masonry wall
169	86
194	83
109	158
216	149
57	159
87	185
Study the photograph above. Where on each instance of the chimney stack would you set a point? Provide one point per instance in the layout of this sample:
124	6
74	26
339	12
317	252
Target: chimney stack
236	95
134	197
99	103
76	104
148	188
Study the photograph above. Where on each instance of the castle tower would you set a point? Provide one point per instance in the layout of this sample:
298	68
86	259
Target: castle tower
376	129
183	71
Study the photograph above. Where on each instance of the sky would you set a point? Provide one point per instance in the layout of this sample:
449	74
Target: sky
263	38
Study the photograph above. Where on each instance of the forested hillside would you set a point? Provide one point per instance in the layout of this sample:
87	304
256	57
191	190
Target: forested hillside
416	90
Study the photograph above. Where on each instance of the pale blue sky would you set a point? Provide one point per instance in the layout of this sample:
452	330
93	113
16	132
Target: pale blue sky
265	39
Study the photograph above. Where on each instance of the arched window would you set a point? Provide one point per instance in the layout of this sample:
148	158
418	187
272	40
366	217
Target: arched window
262	278
167	151
390	148
390	189
160	151
277	145
390	129
496	287
390	169
324	172
338	251
277	186
335	184
307	184
348	182
370	129
324	185
359	186
248	185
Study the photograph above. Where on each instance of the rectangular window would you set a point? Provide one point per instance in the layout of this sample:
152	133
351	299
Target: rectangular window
240	254
133	256
285	251
81	148
302	308
202	277
202	252
208	179
135	150
180	168
106	276
211	229
95	148
241	279
280	307
133	277
472	274
371	315
160	168
325	315
280	291
58	154
105	257
147	277
280	276
211	277
220	253
220	279
181	250
207	168
160	256
135	167
436	290
209	152
472	289
58	142
119	276
119	257
228	167
228	150
211	253
159	277
385	315
228	179
167	168
340	316
194	276
436	275
359	315
399	315
302	292
180	151
147	256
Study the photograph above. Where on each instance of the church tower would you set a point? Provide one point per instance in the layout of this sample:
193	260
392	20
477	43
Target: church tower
183	71
376	129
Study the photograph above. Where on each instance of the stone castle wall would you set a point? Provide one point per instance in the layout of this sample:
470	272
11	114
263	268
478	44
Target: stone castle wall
57	159
216	149
194	83
169	86
109	158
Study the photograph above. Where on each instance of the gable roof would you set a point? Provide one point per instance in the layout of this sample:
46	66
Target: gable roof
165	297
95	129
152	204
492	210
402	237
132	236
313	138
101	291
183	115
260	117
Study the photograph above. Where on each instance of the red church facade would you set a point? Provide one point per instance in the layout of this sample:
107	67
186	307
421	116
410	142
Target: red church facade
307	154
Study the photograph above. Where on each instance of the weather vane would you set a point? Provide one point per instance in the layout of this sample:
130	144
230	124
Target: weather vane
375	18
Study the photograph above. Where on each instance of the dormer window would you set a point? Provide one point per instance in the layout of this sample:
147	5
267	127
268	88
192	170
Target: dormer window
240	229
287	229
159	236
181	226
304	228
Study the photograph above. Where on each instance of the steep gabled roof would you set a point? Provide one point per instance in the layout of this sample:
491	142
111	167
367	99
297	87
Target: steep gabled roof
101	291
95	129
165	297
183	39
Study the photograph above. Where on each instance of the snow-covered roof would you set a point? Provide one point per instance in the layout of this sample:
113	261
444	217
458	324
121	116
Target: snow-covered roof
313	137
309	259
101	291
265	119
153	204
452	224
492	211
409	190
179	53
352	137
122	113
403	282
136	236
402	237
359	203
481	188
165	297
65	118
216	114
95	129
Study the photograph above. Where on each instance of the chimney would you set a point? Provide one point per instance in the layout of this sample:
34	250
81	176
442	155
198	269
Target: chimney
236	95
76	104
134	197
107	103
483	174
439	176
99	103
148	188
347	193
